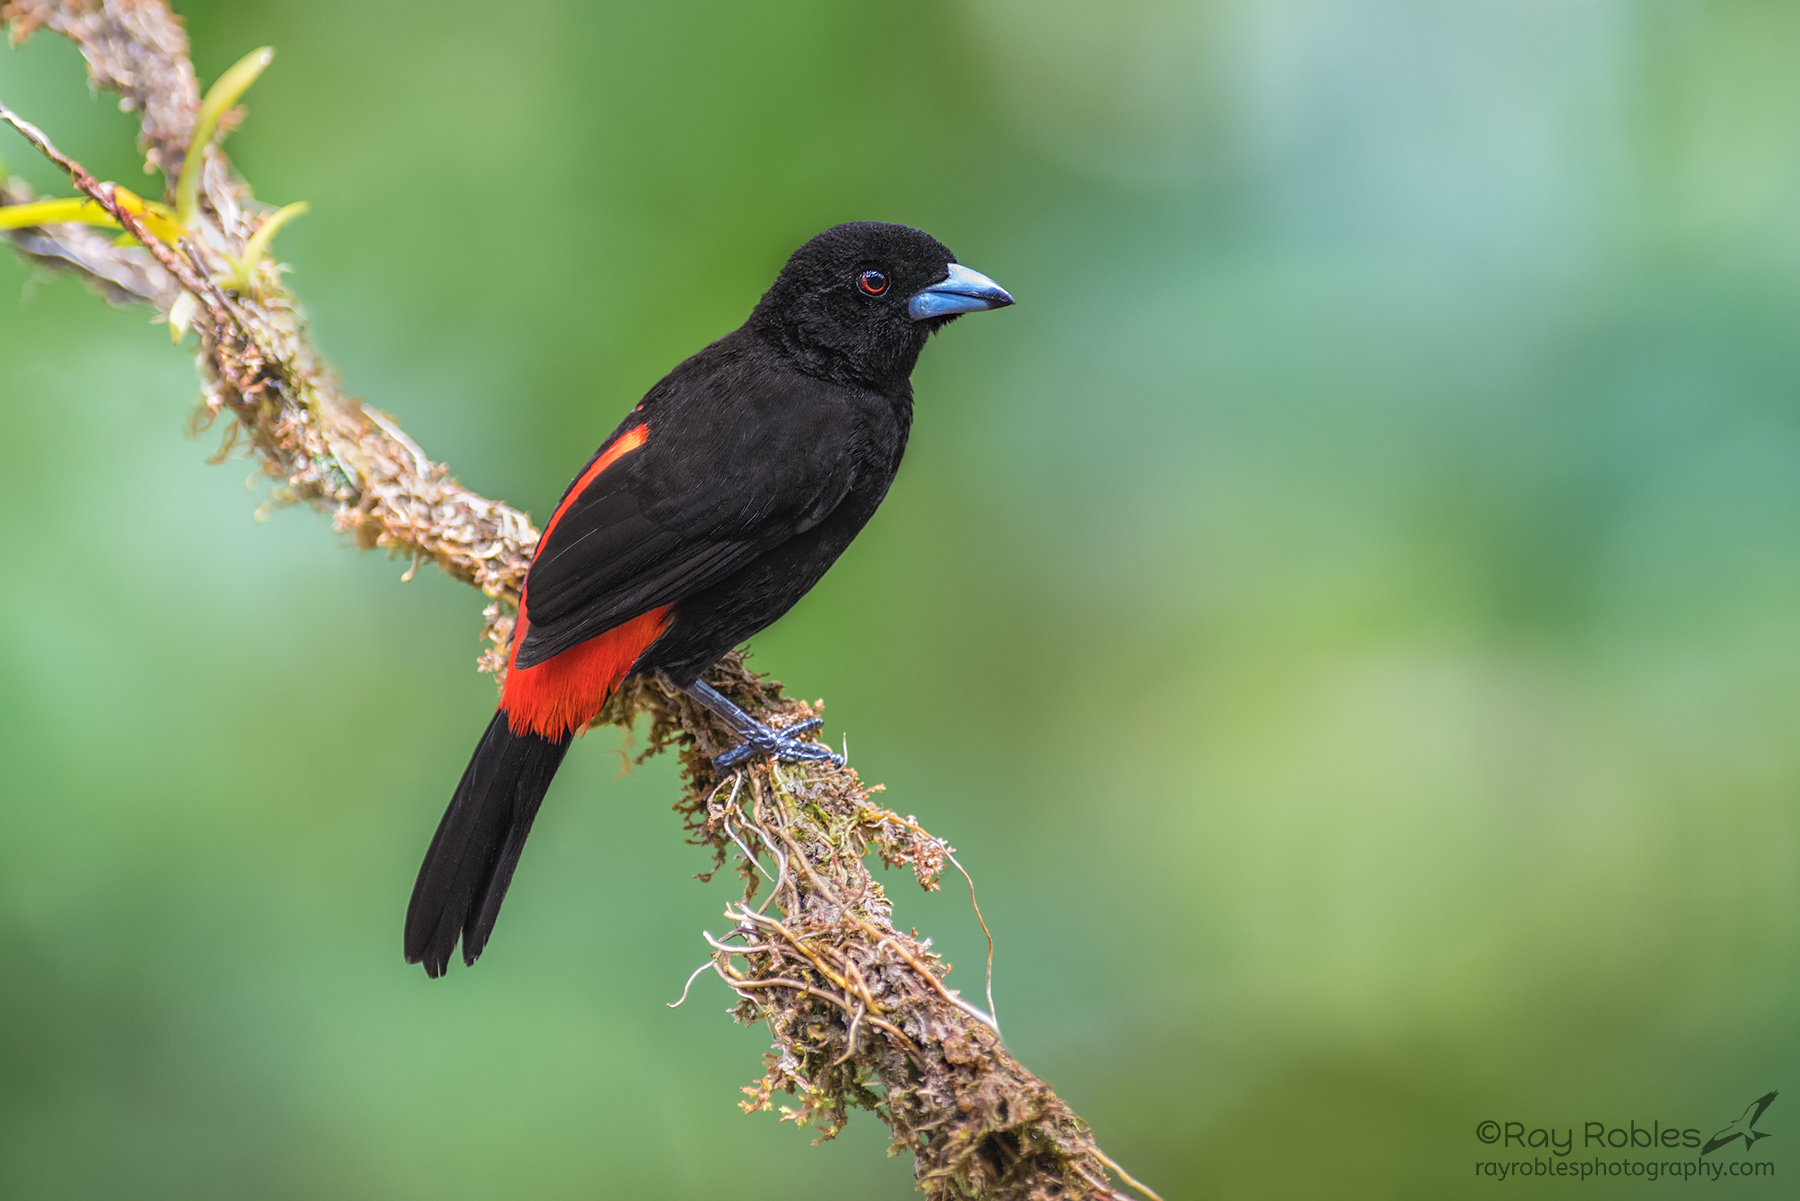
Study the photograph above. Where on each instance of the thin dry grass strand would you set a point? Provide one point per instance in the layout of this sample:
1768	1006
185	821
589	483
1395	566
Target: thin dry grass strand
993	1010
1127	1177
695	975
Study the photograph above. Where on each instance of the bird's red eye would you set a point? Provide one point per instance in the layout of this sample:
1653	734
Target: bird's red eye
873	283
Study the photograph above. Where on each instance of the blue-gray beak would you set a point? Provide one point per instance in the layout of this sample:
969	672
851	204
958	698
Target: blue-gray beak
965	291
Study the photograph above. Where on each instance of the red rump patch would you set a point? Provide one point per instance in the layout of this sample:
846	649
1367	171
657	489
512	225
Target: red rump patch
563	693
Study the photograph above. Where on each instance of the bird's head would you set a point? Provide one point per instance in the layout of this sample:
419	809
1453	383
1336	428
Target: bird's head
857	302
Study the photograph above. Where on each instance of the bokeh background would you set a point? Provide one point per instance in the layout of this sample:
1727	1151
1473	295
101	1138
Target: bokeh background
1347	615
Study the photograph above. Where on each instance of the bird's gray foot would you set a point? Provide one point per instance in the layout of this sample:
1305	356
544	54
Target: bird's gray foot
781	744
784	744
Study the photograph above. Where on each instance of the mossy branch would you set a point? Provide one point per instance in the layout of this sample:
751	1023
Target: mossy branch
859	1013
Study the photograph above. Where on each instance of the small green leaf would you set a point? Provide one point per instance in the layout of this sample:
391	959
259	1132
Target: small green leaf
258	245
54	212
220	97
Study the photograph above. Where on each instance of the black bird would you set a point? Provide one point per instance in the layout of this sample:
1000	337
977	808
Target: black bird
717	503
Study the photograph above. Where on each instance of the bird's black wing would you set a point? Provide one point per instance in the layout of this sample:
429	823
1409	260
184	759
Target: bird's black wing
736	459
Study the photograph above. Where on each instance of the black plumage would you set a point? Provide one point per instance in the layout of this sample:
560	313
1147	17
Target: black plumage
471	858
715	506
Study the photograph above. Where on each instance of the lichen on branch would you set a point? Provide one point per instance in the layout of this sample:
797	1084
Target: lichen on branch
258	369
859	1014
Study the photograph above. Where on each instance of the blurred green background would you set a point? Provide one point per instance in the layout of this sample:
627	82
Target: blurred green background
1347	615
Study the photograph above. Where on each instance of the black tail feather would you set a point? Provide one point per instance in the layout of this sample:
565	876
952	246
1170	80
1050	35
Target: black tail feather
476	847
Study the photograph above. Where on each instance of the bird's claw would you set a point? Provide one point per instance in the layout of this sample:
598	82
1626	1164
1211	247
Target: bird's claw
782	744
